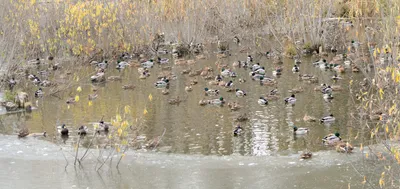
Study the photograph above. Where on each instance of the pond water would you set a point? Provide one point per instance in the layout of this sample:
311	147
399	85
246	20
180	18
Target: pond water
207	130
32	163
195	136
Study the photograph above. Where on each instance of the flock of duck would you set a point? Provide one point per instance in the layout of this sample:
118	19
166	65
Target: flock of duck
221	81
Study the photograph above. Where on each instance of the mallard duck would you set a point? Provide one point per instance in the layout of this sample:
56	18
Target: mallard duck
162	60
99	77
204	102
306	155
174	101
193	81
114	78
162	83
122	65
82	130
326	119
327	96
347	62
148	64
165	91
242	118
220	101
103	127
344	147
256	76
290	100
234	106
238	130
277	71
305	77
255	67
23	132
200	56
222	55
64	130
128	87
240	93
249	59
12	83
195	72
355	44
71	100
229	84
34	62
236	40
336	77
296	90
260	71
92	96
355	69
211	92
320	62
45	83
262	101
204	72
188	88
102	65
331	139
339	68
308	118
295	68
225	72
300	131
326	90
36	81
39	93
274	91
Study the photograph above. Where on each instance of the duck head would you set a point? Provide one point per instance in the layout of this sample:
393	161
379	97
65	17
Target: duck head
294	128
205	89
292	96
221	98
337	134
63	126
45	134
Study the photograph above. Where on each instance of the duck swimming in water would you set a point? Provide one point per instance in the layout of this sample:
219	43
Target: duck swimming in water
218	102
211	92
290	100
331	139
240	93
262	101
327	119
162	84
82	130
39	93
238	130
64	130
295	68
300	131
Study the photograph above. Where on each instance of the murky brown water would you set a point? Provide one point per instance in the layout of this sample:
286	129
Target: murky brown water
193	129
191	132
